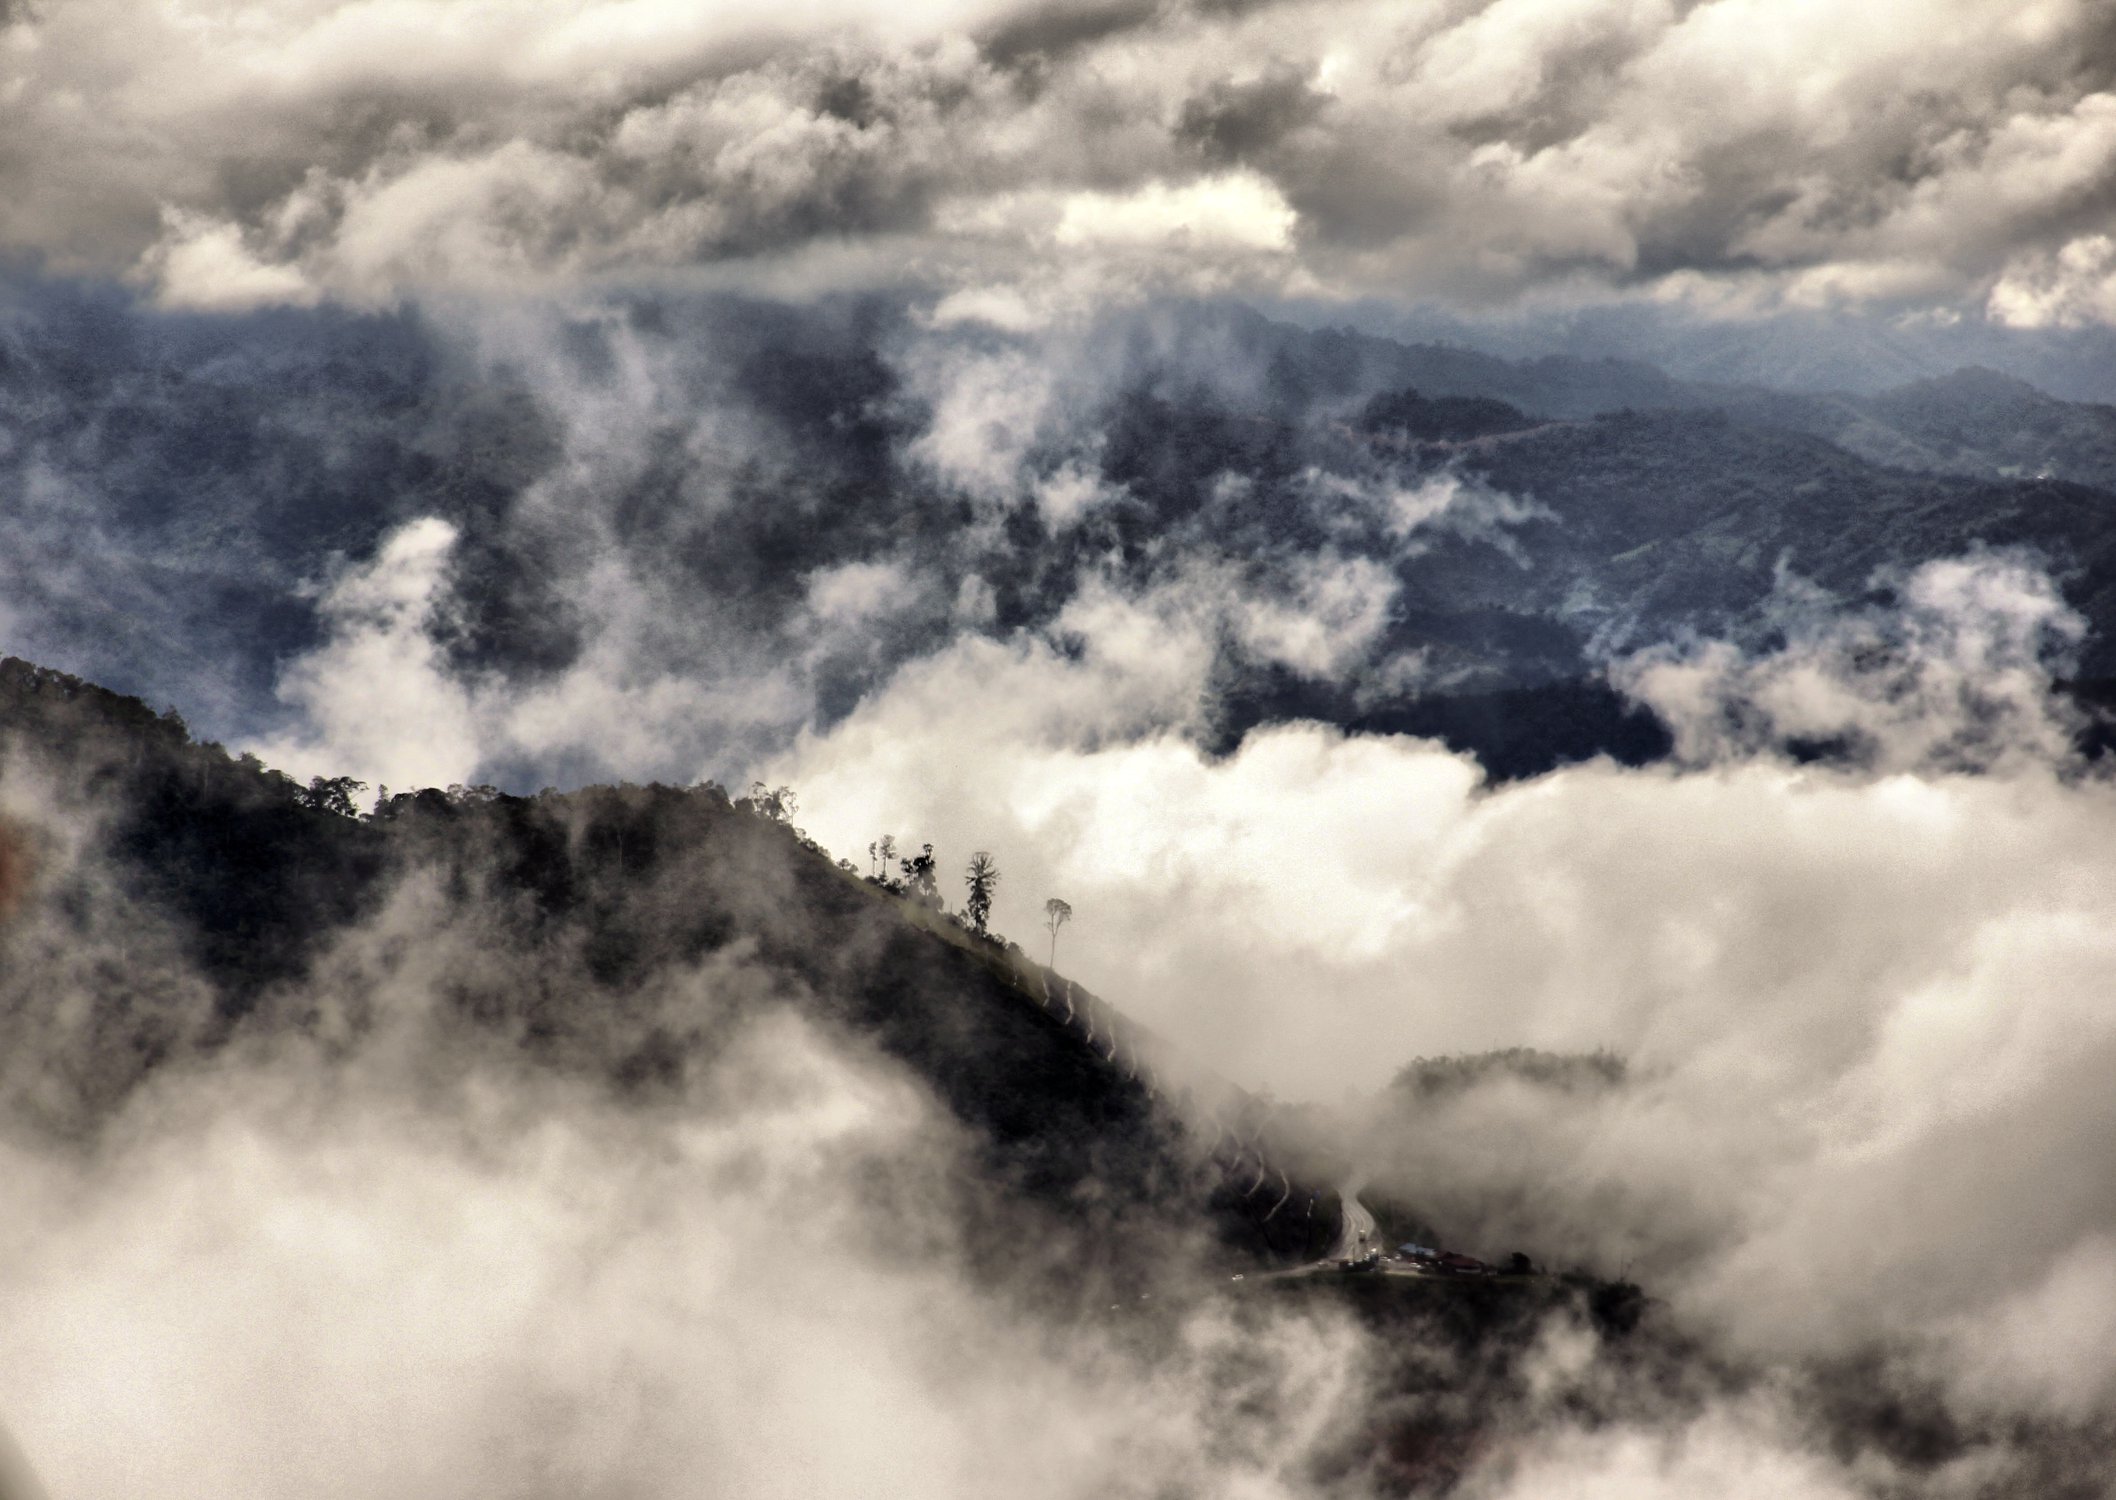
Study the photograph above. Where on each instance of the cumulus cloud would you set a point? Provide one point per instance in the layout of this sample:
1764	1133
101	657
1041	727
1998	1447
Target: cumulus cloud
1240	211
1957	674
2072	285
1770	154
1862	1007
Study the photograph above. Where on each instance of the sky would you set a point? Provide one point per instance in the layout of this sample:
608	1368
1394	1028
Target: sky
1024	160
477	391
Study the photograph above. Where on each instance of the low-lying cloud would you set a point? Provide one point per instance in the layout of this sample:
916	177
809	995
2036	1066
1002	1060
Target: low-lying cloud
1956	674
363	1247
1862	1006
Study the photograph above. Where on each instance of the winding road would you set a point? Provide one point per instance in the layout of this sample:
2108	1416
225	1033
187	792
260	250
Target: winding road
1357	1236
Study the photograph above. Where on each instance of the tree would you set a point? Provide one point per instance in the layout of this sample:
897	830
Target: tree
981	875
883	852
1056	914
331	794
920	874
775	803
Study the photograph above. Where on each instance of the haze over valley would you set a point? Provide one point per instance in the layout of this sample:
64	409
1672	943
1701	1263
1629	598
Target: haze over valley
1299	750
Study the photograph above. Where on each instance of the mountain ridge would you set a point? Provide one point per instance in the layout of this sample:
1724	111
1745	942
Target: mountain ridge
606	893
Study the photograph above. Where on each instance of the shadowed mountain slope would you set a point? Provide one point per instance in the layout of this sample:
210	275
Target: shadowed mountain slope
621	934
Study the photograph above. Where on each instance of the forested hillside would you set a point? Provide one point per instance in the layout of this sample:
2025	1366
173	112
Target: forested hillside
617	933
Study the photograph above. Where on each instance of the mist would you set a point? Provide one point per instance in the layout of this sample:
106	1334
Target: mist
1534	573
377	1239
1859	1009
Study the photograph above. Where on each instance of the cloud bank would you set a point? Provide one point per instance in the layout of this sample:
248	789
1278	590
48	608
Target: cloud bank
988	544
1862	1008
1022	158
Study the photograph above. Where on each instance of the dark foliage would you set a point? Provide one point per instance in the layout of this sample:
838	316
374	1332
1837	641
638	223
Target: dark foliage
1442	418
595	901
1432	1077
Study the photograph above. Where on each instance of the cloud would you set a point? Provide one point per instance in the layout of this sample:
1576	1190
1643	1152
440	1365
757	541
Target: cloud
1862	1006
1410	511
377	700
989	411
312	1280
372	1245
1236	210
856	593
672	533
1957	675
1334	616
1736	1451
2065	288
206	267
380	699
1531	148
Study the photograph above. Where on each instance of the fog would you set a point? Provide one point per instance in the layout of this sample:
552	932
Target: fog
1853	1152
365	1247
1857	999
872	401
1863	1009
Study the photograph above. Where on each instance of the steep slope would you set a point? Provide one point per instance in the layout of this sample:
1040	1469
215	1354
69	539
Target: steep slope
619	934
1662	520
1970	422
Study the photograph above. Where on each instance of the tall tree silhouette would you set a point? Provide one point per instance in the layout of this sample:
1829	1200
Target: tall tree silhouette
921	876
1056	914
981	875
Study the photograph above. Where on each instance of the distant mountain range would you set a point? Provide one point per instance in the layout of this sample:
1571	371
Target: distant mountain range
179	487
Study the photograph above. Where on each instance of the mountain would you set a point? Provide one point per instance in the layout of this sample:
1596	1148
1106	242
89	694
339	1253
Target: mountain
187	493
175	919
617	934
1973	421
1665	520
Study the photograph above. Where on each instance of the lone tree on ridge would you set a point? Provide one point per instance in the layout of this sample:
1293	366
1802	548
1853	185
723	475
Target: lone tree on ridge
1056	914
981	876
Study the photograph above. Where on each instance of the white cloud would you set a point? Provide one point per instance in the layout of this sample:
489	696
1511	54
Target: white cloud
1331	147
1741	1451
1240	210
359	1281
1330	619
1958	675
989	410
377	701
854	593
206	267
381	700
1864	1012
1445	502
2074	285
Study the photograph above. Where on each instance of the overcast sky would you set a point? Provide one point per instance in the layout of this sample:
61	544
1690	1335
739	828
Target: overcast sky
1937	157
